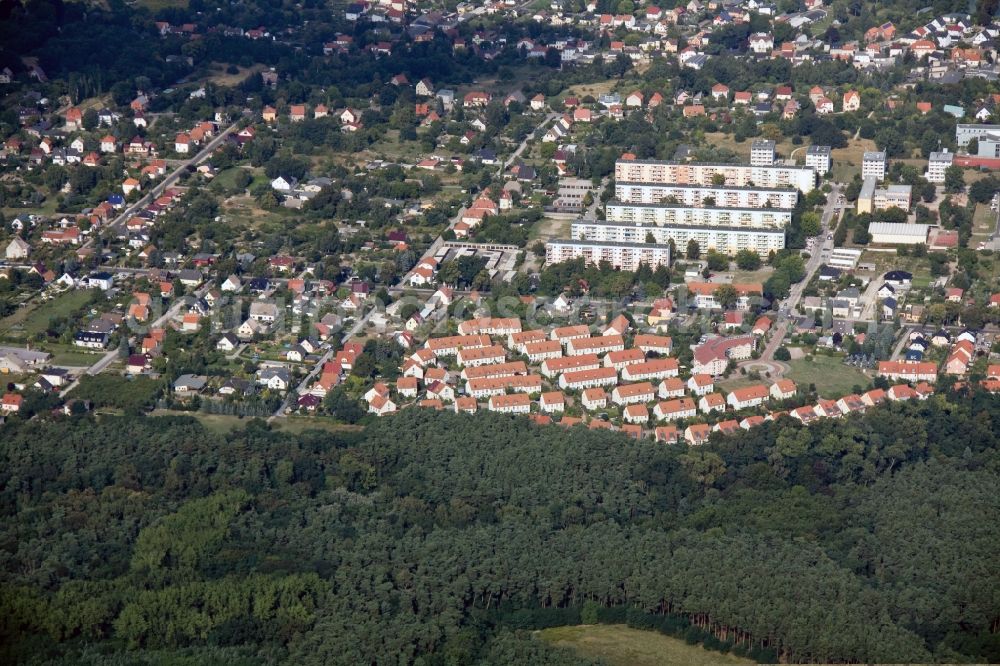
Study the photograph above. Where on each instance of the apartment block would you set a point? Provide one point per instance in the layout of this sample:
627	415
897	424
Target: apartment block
635	192
728	240
705	173
622	256
937	163
670	214
818	159
874	165
762	152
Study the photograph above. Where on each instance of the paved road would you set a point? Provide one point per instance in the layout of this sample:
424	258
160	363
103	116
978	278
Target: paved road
169	180
788	306
303	386
816	257
439	241
430	252
524	143
904	340
110	356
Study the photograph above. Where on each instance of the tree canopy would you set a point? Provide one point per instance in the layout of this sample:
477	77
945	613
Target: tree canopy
434	534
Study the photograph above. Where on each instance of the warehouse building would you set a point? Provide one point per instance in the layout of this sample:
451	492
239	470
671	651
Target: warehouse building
894	233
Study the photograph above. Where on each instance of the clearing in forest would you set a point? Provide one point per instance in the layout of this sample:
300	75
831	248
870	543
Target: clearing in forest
620	645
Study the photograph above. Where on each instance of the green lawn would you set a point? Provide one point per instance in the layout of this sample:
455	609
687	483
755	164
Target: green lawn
64	356
984	222
33	319
619	645
832	378
847	161
227	179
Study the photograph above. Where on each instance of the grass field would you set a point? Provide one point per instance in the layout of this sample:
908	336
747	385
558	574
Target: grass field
832	378
619	645
983	224
72	358
847	161
548	228
33	319
219	76
783	146
594	89
227	179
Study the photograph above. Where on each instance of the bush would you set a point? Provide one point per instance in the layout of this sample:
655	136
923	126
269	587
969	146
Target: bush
589	613
694	636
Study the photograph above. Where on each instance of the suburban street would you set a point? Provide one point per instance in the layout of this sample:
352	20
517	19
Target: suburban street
789	305
430	252
439	241
110	356
167	181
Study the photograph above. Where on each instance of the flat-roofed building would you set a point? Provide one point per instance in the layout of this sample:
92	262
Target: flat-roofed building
874	164
665	214
964	133
705	173
818	159
762	152
727	240
893	233
696	195
872	198
622	256
937	164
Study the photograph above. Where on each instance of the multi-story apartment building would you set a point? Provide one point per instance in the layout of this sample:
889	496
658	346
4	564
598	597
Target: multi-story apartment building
696	195
937	163
762	152
874	165
728	240
664	214
818	159
623	256
705	173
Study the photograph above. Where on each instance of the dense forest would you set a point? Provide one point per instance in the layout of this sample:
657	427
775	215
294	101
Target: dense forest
435	538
